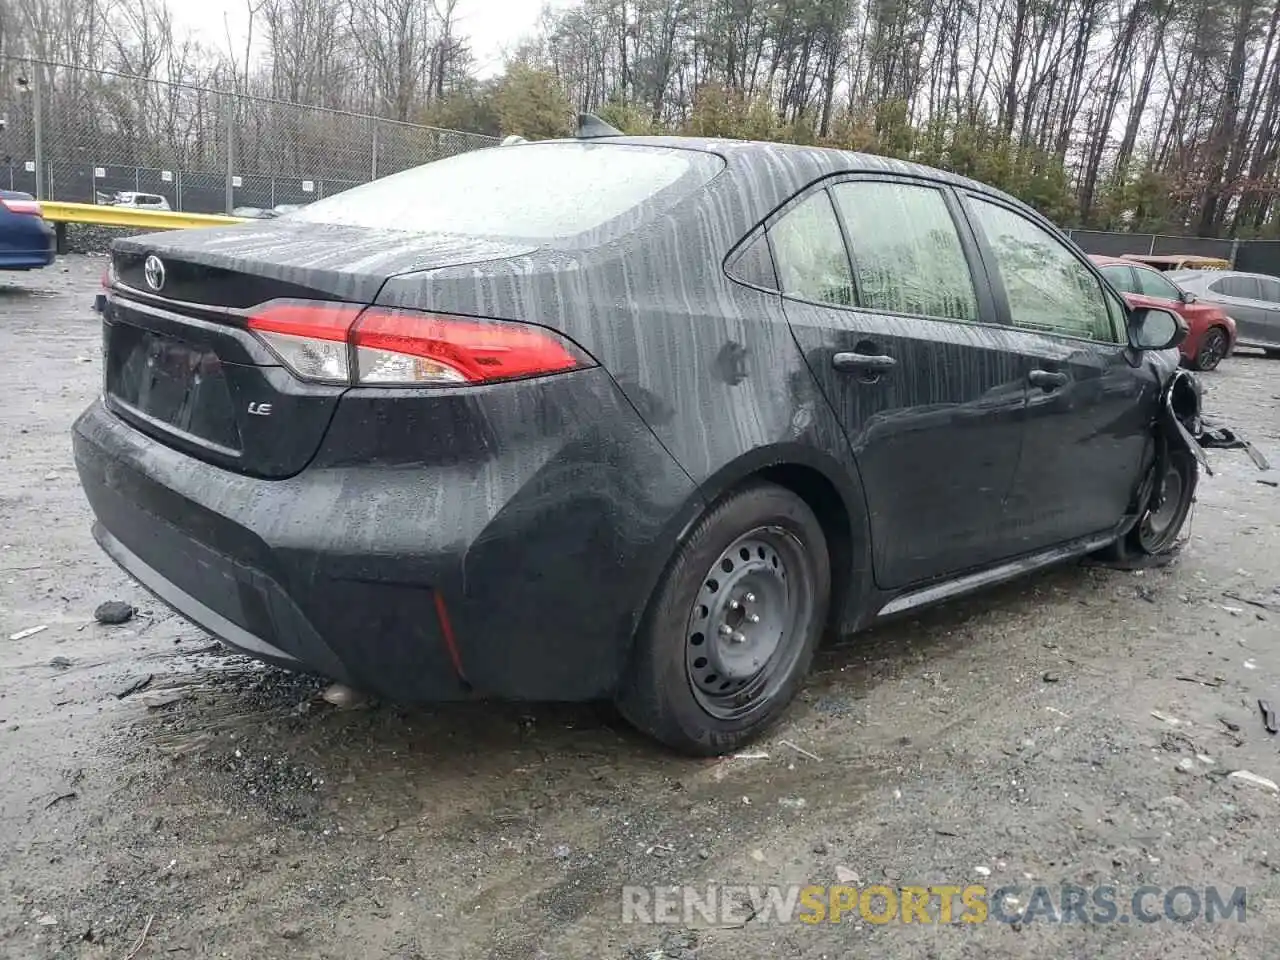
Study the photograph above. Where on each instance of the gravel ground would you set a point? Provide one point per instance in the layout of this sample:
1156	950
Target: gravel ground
224	810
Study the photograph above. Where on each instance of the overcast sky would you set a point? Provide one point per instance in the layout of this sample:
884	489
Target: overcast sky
493	27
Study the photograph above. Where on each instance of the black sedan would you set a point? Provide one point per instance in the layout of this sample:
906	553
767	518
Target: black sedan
615	417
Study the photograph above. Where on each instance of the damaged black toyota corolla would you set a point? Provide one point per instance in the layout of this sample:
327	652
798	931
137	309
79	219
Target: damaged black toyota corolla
613	417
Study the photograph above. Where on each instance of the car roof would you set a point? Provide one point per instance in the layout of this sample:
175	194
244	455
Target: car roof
804	163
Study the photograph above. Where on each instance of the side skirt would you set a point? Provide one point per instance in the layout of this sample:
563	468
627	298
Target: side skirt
1011	570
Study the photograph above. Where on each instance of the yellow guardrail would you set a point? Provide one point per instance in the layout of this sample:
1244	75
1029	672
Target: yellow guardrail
56	211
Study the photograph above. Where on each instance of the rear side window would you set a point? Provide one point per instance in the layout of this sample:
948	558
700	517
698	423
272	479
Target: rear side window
1246	287
541	192
1268	290
1121	278
906	252
809	253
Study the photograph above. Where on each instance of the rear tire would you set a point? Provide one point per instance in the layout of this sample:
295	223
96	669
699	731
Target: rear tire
730	631
1272	354
1213	348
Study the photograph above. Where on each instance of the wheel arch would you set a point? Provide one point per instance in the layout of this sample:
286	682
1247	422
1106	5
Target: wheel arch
830	488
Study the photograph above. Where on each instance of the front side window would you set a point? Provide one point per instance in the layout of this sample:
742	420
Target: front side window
907	256
809	253
1152	284
1121	278
1047	286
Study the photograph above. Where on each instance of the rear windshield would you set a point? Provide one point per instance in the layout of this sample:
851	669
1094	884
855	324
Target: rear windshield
540	192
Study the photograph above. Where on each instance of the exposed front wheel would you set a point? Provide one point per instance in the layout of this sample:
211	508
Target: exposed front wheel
1212	349
731	629
1170	503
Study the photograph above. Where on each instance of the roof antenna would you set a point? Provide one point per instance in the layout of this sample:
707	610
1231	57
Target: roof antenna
590	127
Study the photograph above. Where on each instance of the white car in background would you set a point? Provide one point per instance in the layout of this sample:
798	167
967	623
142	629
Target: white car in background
139	201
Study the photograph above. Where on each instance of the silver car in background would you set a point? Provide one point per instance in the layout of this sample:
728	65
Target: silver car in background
1251	299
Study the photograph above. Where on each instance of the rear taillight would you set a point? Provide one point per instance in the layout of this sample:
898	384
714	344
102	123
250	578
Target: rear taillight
378	346
29	208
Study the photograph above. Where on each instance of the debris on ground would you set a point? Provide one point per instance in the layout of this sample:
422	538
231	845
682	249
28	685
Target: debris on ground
1215	682
1245	776
28	632
561	851
1186	765
800	750
60	663
1272	603
1165	718
343	697
59	798
155	699
1268	717
114	611
134	687
1224	438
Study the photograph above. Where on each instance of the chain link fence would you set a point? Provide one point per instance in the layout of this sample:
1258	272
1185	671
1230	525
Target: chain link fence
84	135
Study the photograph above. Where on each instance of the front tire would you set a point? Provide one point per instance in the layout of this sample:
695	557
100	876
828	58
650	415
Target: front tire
1163	516
1213	348
730	631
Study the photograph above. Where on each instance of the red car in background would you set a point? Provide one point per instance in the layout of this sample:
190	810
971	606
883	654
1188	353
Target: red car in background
1213	333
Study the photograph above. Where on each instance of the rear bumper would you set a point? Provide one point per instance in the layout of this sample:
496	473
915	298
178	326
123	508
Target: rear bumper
517	579
32	247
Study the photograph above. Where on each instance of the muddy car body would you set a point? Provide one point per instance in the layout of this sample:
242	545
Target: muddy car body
666	428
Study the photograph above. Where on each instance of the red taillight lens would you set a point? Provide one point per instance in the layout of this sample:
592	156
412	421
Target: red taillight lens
397	348
25	207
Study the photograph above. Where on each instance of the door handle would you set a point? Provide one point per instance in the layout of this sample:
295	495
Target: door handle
863	363
1047	380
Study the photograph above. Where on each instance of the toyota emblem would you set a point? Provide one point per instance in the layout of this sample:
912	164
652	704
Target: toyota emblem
153	270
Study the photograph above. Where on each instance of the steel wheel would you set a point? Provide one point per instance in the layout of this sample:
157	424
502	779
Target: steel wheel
740	637
1171	501
731	626
1212	349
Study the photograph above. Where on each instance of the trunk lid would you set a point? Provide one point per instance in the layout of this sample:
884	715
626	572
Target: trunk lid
180	363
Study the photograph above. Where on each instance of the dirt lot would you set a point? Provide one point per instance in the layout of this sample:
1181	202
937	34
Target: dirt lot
226	811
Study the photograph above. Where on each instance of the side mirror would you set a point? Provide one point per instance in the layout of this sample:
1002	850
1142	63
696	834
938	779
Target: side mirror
1151	328
1187	297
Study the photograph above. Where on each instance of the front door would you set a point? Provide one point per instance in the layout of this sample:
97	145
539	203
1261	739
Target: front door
1090	398
903	343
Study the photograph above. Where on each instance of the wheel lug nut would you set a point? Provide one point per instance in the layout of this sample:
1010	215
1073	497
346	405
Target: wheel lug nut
734	605
738	637
749	597
753	618
726	630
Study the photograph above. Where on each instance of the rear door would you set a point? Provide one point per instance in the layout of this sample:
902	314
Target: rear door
902	339
1241	298
1090	400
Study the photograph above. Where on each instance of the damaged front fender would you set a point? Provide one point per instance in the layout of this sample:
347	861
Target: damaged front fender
1184	423
1181	416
